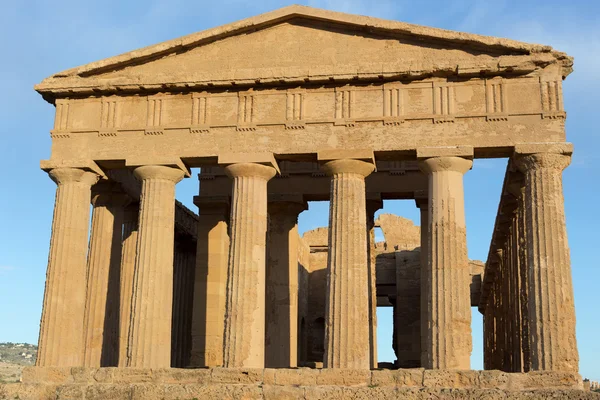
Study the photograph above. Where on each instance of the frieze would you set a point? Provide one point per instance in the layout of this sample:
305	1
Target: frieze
390	104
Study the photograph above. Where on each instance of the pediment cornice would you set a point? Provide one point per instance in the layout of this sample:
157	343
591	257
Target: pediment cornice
506	58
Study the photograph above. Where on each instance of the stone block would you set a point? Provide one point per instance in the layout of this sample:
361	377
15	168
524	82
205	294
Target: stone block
398	378
494	379
323	393
237	375
182	376
147	391
104	375
83	374
545	379
132	375
56	375
71	392
269	376
433	378
344	377
370	393
302	376
271	392
108	392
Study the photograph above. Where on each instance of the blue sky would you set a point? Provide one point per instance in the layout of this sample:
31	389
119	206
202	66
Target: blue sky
40	38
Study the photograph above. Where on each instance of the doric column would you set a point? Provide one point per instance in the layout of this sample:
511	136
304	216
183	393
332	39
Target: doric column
551	311
150	332
130	236
447	276
184	266
101	321
61	338
281	329
373	204
208	317
422	202
347	328
523	283
244	339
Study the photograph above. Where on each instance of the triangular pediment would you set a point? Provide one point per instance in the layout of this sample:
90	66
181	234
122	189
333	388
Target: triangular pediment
303	44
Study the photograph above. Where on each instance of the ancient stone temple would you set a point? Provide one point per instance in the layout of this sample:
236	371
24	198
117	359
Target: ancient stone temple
291	106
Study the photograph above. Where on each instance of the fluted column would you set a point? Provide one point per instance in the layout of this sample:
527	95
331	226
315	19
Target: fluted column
448	276
244	339
130	236
101	322
523	282
372	206
184	266
150	332
347	328
61	339
208	316
553	344
281	329
422	201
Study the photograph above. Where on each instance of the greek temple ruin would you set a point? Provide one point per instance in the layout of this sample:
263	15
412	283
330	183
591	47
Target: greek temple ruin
298	105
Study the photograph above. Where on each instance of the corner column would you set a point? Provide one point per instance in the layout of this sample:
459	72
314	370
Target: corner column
61	327
551	308
101	321
208	318
244	338
347	327
128	254
281	330
422	202
150	332
447	276
373	204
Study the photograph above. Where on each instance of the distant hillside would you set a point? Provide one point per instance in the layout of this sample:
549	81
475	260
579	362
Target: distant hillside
18	353
13	358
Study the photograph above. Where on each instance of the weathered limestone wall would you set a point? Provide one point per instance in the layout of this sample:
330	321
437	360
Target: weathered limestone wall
398	268
303	383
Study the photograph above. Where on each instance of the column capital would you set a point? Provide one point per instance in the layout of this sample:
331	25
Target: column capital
437	164
421	199
536	161
158	172
253	170
287	205
67	175
109	193
348	166
213	205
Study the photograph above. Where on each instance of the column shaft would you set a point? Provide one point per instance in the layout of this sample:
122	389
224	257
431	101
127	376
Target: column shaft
61	339
208	318
128	254
372	207
551	311
347	328
244	339
423	204
101	322
281	330
150	332
523	285
184	260
448	279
